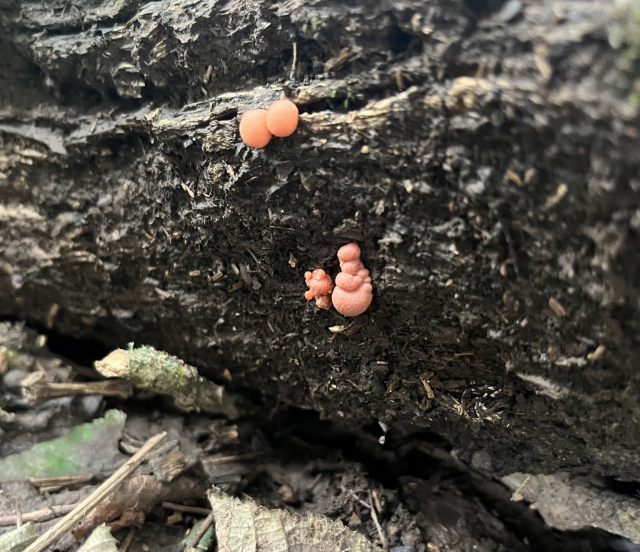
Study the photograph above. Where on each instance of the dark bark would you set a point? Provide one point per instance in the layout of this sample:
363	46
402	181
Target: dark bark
484	155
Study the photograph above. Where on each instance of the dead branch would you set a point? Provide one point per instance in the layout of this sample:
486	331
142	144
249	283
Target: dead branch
38	516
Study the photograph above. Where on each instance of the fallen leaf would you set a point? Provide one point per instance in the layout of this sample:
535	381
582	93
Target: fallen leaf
18	540
568	504
101	540
86	448
205	542
247	527
168	466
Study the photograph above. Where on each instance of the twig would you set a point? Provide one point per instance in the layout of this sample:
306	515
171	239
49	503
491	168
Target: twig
127	540
55	483
43	391
355	497
18	517
516	496
104	490
383	538
200	533
374	516
38	516
361	502
295	61
231	458
148	368
376	501
186	509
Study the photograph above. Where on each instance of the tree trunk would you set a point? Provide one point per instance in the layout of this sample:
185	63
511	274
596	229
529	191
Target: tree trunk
483	154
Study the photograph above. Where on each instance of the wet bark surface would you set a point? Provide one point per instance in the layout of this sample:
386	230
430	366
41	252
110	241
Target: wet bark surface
484	155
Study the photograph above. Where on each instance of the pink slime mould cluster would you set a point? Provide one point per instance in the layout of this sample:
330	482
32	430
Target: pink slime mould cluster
353	292
320	287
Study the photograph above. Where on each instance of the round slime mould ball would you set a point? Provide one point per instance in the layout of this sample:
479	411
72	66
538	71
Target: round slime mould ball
282	118
253	128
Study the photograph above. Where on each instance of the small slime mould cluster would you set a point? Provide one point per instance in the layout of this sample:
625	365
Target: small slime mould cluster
353	291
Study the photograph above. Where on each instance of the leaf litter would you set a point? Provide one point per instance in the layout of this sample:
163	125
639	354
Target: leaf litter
87	447
300	492
18	540
101	540
248	527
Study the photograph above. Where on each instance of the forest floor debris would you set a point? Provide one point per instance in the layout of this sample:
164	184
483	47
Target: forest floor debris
291	463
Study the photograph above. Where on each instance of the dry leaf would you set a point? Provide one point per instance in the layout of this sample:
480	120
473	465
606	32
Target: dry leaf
168	466
130	503
569	505
100	540
247	527
18	540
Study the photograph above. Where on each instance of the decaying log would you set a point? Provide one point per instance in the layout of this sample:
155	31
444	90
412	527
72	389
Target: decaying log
484	155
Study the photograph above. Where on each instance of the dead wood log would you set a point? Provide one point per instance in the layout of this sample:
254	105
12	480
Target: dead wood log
483	154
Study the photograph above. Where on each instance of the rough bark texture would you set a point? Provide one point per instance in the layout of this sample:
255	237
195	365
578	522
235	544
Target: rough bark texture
483	154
